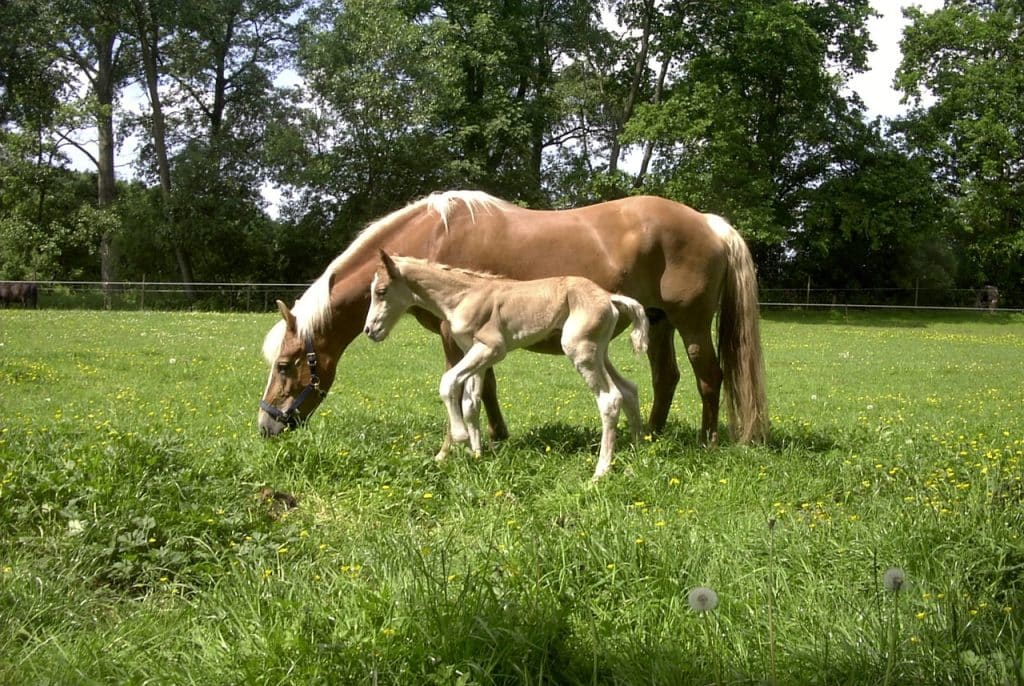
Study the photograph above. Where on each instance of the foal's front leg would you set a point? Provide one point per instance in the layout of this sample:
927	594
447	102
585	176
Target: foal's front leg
471	409
453	384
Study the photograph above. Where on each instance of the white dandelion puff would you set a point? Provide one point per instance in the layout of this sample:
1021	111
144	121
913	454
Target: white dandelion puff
894	579
702	599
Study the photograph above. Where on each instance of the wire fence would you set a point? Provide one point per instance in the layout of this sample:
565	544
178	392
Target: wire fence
260	297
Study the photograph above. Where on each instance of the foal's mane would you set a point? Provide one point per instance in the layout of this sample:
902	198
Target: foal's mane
313	308
400	260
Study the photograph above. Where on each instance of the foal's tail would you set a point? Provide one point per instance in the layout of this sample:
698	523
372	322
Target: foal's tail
739	340
637	315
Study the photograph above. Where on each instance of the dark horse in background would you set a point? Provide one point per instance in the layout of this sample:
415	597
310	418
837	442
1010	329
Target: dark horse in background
682	265
24	292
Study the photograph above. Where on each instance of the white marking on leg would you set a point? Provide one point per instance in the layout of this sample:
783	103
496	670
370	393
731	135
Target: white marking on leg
471	410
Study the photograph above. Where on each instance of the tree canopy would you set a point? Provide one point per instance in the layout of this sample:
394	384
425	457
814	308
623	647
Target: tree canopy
191	112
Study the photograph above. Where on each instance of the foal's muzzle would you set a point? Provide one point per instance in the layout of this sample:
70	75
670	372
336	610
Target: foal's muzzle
375	334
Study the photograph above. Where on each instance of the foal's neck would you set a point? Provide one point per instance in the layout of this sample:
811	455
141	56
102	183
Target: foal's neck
439	289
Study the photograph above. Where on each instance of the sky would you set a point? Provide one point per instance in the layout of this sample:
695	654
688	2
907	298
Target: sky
875	85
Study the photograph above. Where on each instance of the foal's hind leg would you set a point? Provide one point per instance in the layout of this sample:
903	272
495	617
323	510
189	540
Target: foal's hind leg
630	400
588	358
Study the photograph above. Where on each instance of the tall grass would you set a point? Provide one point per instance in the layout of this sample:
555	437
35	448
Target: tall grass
135	545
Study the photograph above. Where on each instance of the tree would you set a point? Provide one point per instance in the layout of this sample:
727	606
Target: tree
877	221
94	43
969	58
751	107
416	96
59	46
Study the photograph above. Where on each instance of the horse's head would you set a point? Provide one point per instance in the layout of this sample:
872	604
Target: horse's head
390	297
295	387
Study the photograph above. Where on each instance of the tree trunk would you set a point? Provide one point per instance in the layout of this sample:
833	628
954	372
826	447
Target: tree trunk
105	176
148	35
649	146
634	87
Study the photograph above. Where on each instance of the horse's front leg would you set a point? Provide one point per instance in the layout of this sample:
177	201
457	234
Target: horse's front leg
664	370
495	420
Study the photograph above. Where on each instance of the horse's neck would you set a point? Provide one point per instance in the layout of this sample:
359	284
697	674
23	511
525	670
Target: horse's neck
438	290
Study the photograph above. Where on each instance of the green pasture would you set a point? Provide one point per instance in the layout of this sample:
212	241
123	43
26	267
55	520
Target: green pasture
136	547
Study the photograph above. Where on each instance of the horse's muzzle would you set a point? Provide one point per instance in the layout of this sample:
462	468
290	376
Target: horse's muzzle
270	427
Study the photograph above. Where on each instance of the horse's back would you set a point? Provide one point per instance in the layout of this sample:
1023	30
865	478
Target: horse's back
653	249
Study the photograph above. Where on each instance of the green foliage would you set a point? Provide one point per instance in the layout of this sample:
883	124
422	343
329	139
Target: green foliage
737	108
136	542
968	58
878	220
750	118
48	226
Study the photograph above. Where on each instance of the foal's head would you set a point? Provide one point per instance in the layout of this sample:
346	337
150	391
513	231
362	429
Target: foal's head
390	297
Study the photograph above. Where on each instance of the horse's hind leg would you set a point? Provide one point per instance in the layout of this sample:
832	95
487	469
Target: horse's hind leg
661	354
701	352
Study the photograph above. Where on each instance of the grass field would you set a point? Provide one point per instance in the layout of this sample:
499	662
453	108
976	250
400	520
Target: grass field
135	546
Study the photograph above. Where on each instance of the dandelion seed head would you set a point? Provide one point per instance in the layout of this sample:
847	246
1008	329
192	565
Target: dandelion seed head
894	579
702	599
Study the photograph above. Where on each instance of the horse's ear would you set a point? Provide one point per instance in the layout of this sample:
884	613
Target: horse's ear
287	316
389	264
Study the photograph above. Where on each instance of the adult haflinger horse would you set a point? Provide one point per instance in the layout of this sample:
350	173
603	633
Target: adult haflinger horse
680	264
490	316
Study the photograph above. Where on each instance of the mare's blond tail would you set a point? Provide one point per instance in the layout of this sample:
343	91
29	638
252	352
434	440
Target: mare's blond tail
739	341
636	313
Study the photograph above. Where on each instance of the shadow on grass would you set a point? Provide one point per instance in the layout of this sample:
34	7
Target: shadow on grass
568	439
558	437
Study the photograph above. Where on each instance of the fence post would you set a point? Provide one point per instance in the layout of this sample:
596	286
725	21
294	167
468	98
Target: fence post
142	296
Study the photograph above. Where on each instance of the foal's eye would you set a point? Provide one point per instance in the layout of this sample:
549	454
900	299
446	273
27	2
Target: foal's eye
282	367
381	292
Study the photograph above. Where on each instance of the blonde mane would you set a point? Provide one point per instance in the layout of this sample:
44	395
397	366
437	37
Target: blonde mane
313	308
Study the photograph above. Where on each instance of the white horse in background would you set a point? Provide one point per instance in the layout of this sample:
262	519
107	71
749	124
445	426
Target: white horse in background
490	316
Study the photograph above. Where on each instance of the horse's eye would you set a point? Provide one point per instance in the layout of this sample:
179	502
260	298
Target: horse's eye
381	292
282	367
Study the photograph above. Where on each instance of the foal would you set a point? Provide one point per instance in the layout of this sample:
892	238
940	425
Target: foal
491	316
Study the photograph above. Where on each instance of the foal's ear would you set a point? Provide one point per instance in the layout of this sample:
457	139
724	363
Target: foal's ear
287	316
389	264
